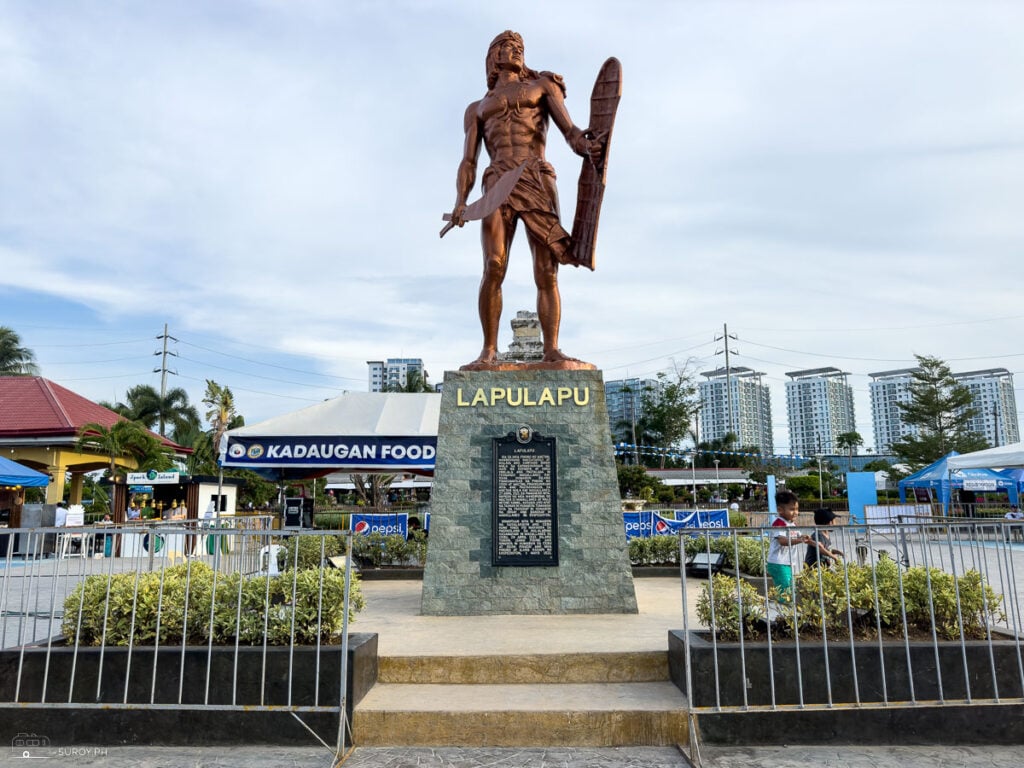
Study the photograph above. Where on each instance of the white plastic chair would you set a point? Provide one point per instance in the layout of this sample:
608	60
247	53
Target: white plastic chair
268	559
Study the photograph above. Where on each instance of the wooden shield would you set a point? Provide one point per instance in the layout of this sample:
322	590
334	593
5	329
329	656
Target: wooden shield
604	101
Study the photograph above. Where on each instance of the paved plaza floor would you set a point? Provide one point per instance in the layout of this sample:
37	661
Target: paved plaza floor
838	756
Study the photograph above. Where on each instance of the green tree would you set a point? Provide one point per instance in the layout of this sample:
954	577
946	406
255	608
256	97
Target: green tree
709	450
941	409
415	381
849	441
804	486
634	482
203	459
144	404
668	410
372	489
220	413
878	465
15	360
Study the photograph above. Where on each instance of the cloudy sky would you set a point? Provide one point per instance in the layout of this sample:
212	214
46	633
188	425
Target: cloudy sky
840	183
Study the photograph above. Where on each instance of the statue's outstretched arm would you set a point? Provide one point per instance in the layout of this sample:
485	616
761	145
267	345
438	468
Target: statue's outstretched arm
466	176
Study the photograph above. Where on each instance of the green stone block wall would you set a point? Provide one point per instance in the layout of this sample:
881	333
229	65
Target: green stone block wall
593	574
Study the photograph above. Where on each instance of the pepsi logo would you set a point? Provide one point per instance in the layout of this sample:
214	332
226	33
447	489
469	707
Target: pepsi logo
362	527
661	526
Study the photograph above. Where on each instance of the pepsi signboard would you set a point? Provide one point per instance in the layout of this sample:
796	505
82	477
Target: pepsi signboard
386	525
644	524
638	524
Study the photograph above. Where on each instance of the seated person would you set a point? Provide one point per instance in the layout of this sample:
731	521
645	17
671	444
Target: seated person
1016	530
134	513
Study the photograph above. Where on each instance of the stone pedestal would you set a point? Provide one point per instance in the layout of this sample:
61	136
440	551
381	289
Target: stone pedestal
593	573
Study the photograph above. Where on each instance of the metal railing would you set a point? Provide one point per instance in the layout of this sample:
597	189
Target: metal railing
915	612
177	616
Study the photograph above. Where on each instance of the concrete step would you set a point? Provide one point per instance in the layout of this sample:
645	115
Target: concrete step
627	667
524	714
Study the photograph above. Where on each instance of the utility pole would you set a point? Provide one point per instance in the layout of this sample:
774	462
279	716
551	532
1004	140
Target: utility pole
163	371
728	375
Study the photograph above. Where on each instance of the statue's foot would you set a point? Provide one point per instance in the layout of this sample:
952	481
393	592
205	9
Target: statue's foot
487	361
558	356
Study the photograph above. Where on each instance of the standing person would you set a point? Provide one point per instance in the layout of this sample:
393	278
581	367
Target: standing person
511	121
820	550
783	551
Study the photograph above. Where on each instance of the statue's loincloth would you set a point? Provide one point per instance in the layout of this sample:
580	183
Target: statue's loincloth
534	200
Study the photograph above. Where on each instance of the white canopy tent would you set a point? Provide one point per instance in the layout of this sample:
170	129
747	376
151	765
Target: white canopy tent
1001	457
356	432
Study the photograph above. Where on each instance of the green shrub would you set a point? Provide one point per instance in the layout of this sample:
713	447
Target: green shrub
331	521
726	594
397	550
312	551
873	601
664	550
752	551
247	608
640	551
418	546
737	520
375	549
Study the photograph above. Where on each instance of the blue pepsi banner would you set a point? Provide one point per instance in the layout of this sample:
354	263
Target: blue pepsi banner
709	518
651	523
386	525
386	453
637	524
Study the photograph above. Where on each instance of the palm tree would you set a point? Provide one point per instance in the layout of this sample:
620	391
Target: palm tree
15	360
849	441
415	381
203	459
114	442
145	405
220	412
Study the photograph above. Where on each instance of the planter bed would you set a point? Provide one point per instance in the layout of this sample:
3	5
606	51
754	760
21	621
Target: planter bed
869	664
143	724
871	722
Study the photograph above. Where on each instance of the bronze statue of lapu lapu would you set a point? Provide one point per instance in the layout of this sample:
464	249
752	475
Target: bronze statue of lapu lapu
511	122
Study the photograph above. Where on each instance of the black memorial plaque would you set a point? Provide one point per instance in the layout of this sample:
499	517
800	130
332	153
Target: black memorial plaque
524	510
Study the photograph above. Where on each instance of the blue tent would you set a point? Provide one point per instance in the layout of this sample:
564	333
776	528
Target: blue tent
940	478
12	473
1017	477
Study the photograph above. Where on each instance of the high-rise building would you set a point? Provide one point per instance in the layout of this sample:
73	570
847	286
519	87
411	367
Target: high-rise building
887	389
393	373
819	403
625	400
991	395
751	407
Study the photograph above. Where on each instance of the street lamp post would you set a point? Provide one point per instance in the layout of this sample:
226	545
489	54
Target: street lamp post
693	479
821	491
718	482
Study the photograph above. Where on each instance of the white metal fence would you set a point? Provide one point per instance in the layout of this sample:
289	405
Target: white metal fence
916	611
176	616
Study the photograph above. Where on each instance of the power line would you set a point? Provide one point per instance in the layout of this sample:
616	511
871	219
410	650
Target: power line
269	365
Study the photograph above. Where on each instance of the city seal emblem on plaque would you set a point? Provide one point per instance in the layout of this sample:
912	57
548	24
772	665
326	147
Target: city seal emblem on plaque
524	434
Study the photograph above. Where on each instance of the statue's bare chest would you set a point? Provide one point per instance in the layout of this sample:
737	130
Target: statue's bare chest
512	99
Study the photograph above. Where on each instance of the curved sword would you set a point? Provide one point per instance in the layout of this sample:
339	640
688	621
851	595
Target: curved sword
491	200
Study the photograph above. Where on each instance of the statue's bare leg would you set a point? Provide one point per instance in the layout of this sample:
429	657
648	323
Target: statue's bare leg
495	241
549	300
